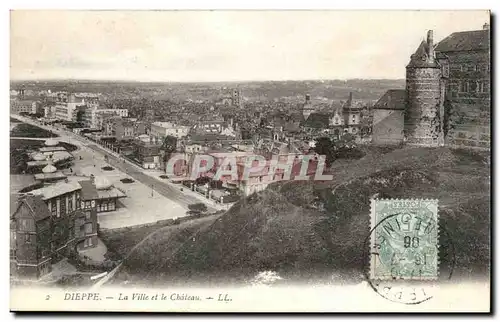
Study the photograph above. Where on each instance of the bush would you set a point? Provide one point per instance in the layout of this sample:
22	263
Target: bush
197	208
28	130
31	187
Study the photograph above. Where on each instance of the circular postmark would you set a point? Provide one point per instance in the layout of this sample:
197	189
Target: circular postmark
401	260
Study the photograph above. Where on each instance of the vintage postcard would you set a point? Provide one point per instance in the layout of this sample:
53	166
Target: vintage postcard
250	161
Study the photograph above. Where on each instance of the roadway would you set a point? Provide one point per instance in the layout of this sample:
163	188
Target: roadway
165	189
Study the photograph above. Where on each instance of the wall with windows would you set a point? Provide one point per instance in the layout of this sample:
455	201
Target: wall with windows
35	244
86	225
468	99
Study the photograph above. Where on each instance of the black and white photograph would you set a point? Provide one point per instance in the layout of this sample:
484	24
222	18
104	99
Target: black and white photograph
250	161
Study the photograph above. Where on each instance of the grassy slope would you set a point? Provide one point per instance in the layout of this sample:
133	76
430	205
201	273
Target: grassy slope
308	228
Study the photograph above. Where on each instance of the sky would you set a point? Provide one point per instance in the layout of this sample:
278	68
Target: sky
223	45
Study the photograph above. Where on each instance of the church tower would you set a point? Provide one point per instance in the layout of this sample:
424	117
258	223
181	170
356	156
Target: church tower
423	123
236	98
307	108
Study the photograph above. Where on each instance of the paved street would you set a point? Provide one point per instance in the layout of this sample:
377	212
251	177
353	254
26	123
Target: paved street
165	189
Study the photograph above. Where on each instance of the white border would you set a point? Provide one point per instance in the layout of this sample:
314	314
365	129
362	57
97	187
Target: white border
200	4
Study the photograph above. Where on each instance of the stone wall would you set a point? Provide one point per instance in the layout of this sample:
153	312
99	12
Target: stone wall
468	106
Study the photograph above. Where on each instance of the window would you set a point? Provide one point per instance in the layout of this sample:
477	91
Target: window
472	86
28	239
87	215
88	228
69	203
446	70
26	225
87	204
52	207
480	87
77	200
464	87
58	208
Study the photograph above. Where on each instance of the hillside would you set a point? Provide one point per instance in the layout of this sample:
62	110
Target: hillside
311	231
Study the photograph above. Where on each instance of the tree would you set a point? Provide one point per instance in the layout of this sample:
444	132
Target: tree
347	140
169	144
325	146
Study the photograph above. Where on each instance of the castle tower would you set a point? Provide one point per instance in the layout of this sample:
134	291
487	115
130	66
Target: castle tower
423	124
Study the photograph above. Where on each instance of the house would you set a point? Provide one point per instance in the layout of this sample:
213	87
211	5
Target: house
163	129
123	128
102	192
47	225
388	118
18	106
147	152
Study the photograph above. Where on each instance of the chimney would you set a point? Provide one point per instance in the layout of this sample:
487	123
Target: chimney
350	97
486	26
430	44
308	98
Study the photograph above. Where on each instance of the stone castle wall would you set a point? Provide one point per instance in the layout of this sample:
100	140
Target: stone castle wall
468	108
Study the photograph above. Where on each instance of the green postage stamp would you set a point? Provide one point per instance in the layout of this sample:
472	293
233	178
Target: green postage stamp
404	239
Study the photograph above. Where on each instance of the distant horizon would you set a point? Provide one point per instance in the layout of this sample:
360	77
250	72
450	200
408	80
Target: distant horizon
194	81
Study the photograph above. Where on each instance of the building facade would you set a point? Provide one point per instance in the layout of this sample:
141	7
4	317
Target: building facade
122	128
147	152
18	106
163	129
465	57
66	104
48	225
388	118
94	117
